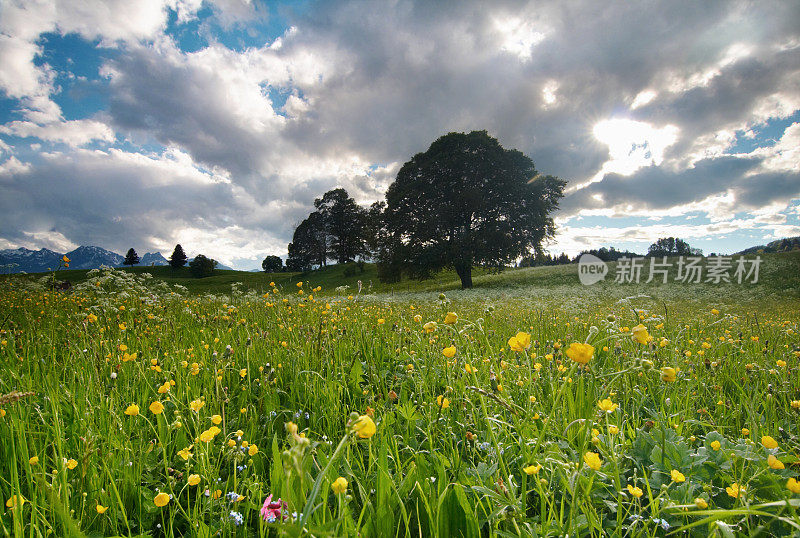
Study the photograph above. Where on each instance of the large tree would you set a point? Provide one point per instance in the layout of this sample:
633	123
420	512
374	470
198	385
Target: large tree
178	258
467	201
202	266
672	246
309	244
131	258
344	222
272	264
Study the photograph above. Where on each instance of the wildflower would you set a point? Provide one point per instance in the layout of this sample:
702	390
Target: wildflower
635	491
607	405
450	318
469	369
339	485
237	518
593	460
769	442
734	490
668	374
185	453
162	499
216	419
100	508
714	311
701	503
156	408
34	460
449	352
442	402
364	427
775	463
640	334
429	327
613	430
520	342
532	469
677	476
271	511
194	479
715	445
71	464
580	353
207	436
197	405
795	404
253	450
132	410
745	432
14	499
791	484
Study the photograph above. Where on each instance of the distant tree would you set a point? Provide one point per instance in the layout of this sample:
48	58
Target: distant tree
468	201
178	258
671	246
375	231
344	221
201	266
309	244
131	258
272	264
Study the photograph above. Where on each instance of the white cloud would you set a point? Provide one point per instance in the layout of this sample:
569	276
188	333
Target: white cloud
73	133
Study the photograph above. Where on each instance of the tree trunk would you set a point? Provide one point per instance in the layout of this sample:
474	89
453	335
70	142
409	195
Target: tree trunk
464	272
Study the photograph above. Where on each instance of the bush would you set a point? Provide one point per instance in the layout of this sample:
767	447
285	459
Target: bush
202	266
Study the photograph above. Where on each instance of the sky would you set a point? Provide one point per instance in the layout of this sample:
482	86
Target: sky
216	123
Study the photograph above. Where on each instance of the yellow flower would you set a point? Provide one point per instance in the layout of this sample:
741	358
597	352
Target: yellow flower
253	450
580	353
769	442
791	484
677	476
194	479
795	404
449	352
775	463
156	408
216	419
640	334
613	430
197	405
339	485
701	503
132	410
714	311
442	402
532	469
65	259
715	445
593	460
13	500
607	405
71	464
364	427
636	492
381	321
185	453
162	499
34	460
450	318
469	369
734	490
429	327
520	342
668	374
207	436
100	508
745	432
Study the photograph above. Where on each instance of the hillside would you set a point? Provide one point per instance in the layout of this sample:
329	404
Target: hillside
779	277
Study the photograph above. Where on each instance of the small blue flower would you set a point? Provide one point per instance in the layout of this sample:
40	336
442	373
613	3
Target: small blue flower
237	518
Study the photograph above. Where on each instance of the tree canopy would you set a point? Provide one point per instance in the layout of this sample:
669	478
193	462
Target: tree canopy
467	201
202	266
672	246
272	264
131	258
178	258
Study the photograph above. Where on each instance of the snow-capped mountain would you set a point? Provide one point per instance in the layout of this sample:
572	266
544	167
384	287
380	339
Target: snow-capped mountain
153	258
92	257
29	261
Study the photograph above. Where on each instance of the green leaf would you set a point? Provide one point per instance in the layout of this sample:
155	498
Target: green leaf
454	515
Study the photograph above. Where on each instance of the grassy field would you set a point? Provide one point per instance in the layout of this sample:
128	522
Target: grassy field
530	405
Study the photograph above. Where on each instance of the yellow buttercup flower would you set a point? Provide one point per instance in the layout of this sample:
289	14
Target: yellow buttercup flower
607	405
636	492
677	476
593	460
162	499
100	508
449	352
216	419
34	460
792	485
668	374
701	503
364	427
442	402
156	408
132	410
715	445
339	485
430	326
450	318
532	469
194	479
14	500
253	450
71	464
734	490
520	342
580	353
769	442
775	463
640	334
197	405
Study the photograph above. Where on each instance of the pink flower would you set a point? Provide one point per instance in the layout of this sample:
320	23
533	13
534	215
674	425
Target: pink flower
271	511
